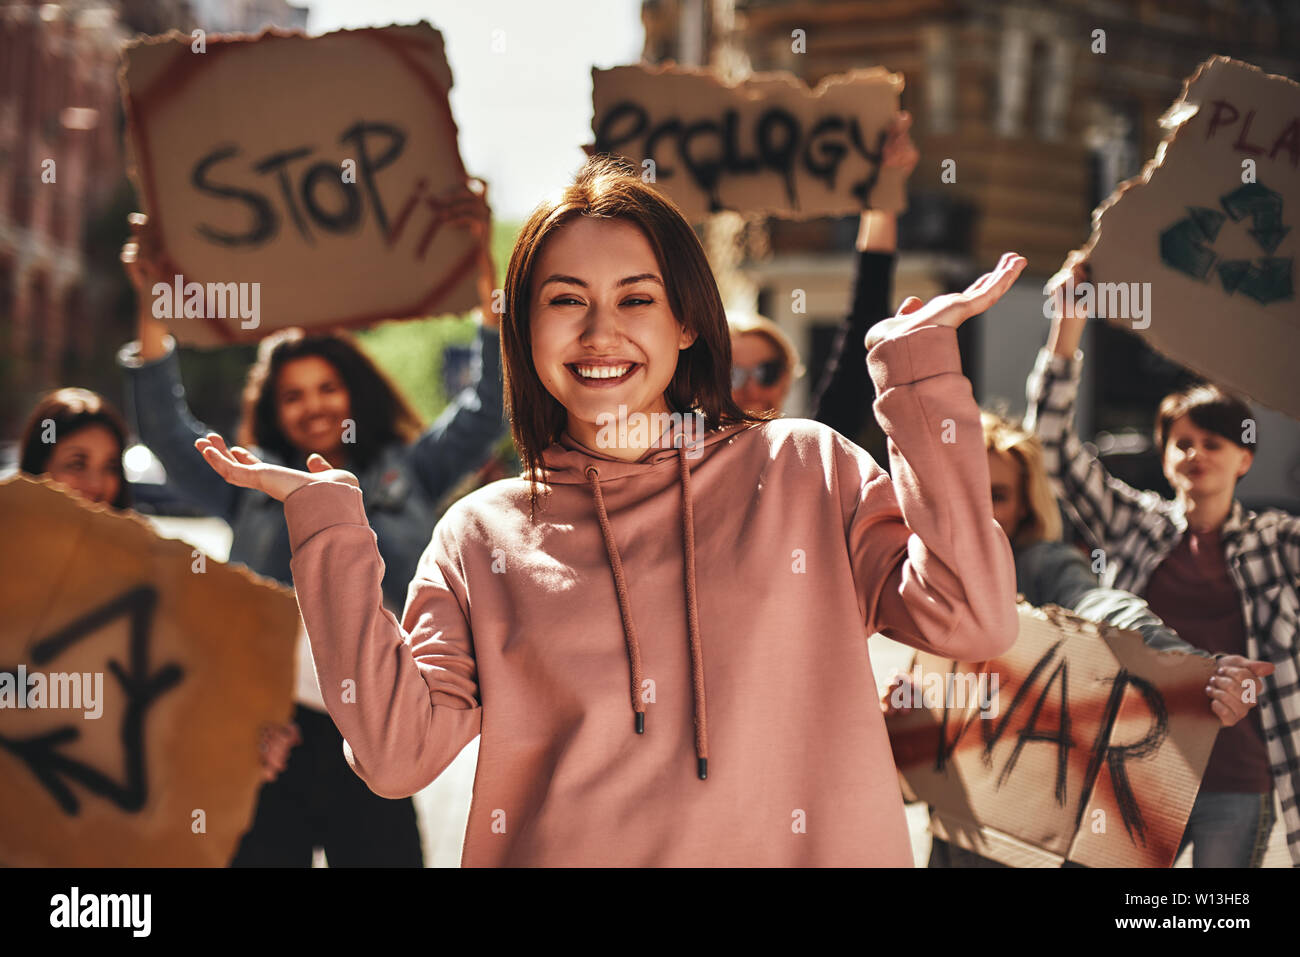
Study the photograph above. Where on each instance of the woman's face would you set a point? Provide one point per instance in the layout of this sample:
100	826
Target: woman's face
1007	482
604	338
313	407
89	461
1199	463
753	355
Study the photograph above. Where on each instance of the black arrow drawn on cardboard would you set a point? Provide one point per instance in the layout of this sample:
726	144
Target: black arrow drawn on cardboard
41	752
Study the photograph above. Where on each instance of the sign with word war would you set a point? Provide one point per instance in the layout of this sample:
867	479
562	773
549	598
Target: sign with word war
296	181
1207	229
1080	744
134	677
769	145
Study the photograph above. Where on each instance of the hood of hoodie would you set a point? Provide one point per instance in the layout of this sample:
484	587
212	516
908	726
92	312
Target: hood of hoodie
567	460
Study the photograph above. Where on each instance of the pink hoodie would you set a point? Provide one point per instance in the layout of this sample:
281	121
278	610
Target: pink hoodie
723	599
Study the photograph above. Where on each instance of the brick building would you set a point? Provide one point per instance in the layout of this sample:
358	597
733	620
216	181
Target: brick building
60	164
65	305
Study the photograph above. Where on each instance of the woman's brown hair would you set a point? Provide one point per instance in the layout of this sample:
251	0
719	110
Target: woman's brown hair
1209	407
381	413
70	411
607	188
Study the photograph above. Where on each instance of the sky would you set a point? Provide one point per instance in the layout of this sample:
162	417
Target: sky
523	112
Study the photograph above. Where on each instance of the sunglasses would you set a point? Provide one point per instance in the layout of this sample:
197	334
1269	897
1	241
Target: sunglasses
765	374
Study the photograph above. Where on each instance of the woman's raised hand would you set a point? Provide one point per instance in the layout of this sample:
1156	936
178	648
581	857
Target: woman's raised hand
240	467
140	258
469	209
1068	319
899	150
952	309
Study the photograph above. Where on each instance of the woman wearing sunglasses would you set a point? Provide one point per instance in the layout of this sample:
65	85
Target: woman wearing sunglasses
764	363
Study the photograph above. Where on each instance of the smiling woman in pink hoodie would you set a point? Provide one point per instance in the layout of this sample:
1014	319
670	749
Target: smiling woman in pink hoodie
660	636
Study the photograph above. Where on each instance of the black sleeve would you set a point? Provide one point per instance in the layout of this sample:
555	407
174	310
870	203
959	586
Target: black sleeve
844	394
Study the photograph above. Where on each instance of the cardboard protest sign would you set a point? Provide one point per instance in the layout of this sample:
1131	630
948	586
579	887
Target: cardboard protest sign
299	181
134	676
767	145
1208	225
1082	744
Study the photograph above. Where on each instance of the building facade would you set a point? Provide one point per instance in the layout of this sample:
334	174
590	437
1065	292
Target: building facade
65	305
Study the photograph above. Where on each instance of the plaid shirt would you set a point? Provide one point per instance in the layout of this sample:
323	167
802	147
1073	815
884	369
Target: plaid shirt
1136	531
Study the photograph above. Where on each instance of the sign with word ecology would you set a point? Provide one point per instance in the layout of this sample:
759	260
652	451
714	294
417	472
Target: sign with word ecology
134	677
1208	229
295	181
768	145
1080	744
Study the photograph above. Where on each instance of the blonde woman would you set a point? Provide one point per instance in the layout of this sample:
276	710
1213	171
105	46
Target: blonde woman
1052	572
764	363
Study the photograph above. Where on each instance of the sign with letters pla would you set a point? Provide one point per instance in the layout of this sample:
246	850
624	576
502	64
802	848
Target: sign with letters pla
1210	226
768	145
296	181
1090	748
134	677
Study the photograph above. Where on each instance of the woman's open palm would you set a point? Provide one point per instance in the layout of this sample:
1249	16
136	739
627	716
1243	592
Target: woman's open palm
952	309
240	467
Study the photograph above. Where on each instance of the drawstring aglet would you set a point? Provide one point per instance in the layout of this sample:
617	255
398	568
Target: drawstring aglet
703	764
640	722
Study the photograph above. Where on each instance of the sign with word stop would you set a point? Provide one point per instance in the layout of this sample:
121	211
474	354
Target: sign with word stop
1208	228
767	145
134	678
296	181
1079	744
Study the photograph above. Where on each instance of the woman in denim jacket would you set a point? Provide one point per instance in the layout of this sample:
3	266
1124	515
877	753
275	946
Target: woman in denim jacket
305	394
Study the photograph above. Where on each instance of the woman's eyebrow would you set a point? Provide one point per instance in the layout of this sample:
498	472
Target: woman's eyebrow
640	277
557	277
627	281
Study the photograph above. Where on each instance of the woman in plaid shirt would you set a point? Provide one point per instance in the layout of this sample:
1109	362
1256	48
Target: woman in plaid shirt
1224	578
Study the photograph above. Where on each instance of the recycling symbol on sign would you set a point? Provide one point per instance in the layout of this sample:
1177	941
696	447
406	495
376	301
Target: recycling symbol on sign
1185	245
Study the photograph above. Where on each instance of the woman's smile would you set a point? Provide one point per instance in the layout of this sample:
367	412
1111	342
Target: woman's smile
603	374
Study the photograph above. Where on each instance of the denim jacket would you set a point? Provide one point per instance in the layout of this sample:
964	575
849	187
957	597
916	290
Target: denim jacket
1054	573
401	487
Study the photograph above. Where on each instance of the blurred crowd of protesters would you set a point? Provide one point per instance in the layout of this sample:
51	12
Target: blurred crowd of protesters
1197	573
306	393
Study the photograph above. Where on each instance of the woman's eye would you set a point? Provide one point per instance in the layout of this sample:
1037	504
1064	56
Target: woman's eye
564	301
637	301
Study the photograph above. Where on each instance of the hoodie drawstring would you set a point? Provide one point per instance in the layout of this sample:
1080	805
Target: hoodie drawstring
620	586
692	610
